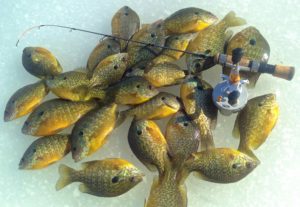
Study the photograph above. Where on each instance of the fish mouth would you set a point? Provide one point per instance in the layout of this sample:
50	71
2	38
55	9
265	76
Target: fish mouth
27	51
26	129
8	116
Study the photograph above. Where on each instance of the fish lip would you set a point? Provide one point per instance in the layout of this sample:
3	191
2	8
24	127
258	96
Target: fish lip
8	116
26	129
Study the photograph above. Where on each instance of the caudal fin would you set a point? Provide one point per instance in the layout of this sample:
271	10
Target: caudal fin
65	179
121	118
248	152
232	20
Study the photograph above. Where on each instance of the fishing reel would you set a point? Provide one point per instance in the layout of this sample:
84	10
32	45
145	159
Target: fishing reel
231	95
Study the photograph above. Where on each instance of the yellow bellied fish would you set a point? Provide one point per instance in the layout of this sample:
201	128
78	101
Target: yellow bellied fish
182	136
148	144
91	131
103	178
45	151
164	74
25	100
255	47
221	165
40	62
255	122
105	48
188	20
124	24
55	115
212	40
110	70
72	85
160	106
196	95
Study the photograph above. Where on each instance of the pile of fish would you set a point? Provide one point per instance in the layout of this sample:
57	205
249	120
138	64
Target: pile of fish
122	71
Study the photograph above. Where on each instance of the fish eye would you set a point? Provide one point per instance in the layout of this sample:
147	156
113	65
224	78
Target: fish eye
115	179
108	46
163	98
150	87
177	98
197	13
139	132
152	35
260	104
197	65
34	150
26	123
252	42
65	78
185	124
123	59
235	166
199	88
132	179
159	26
80	133
126	13
115	67
74	149
138	86
176	38
22	160
13	101
41	113
207	51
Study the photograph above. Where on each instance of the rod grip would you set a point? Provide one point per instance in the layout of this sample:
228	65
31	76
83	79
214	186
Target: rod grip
285	72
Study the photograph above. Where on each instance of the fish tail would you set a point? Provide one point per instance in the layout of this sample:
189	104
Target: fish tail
65	179
121	118
232	20
248	151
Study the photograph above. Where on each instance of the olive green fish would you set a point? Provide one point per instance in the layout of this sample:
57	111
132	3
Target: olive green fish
105	48
40	62
131	91
164	74
151	34
166	191
25	100
182	136
196	95
255	47
188	20
55	115
160	106
72	85
221	165
91	131
212	40
135	72
45	151
110	70
103	178
148	144
124	24
255	122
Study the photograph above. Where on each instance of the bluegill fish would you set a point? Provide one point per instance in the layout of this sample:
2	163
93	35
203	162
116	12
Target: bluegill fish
55	115
124	24
40	62
25	100
188	20
212	39
221	165
72	85
148	144
110	70
164	74
103	178
255	122
255	47
182	136
196	95
160	106
45	151
105	48
91	131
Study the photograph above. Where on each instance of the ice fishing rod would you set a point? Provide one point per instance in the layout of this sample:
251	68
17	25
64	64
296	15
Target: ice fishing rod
208	61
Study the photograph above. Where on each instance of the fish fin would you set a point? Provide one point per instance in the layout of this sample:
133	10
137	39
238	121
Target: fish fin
228	35
248	151
183	193
85	189
81	70
236	129
232	20
207	141
121	118
85	165
65	179
200	176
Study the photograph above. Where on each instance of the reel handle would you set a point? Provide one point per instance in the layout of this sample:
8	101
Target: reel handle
280	71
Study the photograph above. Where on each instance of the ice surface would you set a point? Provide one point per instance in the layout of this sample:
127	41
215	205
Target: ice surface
275	183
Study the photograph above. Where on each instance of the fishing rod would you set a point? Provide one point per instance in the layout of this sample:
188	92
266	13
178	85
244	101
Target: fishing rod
207	61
